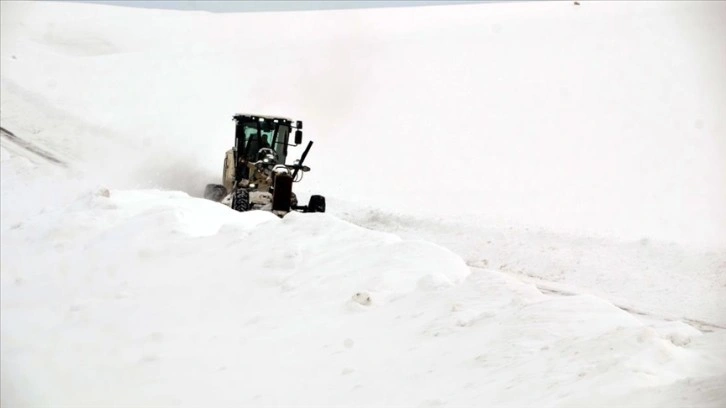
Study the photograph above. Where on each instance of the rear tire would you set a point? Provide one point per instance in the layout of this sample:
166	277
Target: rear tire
214	192
316	204
241	200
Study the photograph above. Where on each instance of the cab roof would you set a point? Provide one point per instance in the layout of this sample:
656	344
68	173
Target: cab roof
254	116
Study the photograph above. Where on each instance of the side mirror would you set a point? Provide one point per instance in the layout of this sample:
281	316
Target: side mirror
298	124
298	136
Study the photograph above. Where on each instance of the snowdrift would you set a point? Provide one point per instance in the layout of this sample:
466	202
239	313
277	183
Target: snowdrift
147	297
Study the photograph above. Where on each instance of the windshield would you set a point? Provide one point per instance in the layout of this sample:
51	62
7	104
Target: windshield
263	133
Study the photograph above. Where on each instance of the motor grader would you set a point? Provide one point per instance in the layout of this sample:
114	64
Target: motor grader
255	176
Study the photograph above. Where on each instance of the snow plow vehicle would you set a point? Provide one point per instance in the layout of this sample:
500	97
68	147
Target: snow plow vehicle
255	176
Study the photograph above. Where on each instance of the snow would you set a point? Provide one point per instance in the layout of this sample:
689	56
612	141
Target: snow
525	207
681	283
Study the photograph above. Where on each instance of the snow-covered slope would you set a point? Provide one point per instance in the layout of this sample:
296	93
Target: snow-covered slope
554	178
608	116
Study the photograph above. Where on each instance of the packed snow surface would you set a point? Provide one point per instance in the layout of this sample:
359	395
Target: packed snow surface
526	207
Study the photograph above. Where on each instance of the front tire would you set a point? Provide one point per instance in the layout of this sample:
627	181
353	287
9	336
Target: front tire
316	204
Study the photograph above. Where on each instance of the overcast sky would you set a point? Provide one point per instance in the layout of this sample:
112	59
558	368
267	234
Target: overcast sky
278	5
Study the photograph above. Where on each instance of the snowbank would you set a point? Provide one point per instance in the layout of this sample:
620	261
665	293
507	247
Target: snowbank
148	297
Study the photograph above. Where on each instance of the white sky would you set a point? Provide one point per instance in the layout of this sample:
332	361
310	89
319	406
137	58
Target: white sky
237	6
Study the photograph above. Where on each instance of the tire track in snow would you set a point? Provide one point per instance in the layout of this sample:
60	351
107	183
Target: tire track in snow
706	327
551	288
31	147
